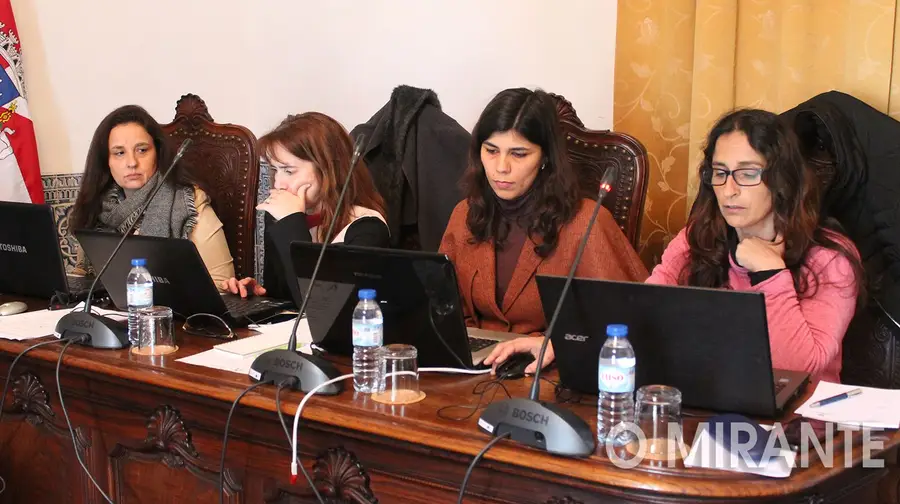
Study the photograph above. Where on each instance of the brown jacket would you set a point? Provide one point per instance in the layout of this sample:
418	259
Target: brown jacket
608	255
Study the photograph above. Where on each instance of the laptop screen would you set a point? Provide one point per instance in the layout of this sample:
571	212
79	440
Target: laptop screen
30	259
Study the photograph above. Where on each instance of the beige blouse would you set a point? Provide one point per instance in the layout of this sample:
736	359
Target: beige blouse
209	238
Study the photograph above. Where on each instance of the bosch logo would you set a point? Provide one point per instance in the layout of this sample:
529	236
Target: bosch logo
530	416
294	365
87	324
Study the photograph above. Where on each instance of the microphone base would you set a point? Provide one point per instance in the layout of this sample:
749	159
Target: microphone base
309	370
541	425
102	332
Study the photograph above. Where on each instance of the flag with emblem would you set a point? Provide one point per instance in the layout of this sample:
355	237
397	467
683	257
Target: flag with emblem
20	173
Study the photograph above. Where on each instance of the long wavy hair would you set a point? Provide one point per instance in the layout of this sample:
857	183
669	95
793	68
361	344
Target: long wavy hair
321	140
97	179
531	114
795	203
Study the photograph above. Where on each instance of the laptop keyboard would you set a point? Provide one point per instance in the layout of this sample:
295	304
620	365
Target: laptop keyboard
476	344
245	307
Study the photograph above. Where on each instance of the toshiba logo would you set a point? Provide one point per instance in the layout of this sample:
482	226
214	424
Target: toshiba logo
580	338
9	247
161	280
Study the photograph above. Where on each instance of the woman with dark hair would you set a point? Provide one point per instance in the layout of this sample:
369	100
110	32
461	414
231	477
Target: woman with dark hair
310	156
755	226
522	217
123	168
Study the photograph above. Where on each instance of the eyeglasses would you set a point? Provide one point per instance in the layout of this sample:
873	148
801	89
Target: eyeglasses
745	177
207	324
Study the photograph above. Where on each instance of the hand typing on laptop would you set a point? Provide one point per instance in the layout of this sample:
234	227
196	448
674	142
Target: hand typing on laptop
245	287
526	344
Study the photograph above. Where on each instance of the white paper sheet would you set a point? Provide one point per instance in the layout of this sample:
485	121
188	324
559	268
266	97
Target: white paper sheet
40	323
707	453
874	408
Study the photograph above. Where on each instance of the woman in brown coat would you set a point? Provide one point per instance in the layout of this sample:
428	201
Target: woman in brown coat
522	217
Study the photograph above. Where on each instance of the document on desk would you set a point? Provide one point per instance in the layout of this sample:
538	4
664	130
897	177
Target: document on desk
237	356
707	453
37	324
873	408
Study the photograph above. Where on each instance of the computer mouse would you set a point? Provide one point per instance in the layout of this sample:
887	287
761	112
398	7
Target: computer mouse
514	366
12	308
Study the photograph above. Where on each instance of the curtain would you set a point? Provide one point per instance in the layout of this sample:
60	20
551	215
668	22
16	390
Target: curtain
681	64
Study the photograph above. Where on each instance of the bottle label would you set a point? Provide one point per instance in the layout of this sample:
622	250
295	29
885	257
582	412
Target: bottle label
369	333
140	295
616	378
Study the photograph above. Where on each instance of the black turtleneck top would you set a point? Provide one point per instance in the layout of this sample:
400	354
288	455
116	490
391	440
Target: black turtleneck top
513	213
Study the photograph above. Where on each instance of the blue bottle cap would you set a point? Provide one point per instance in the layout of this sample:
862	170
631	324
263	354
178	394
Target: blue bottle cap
139	262
617	330
366	293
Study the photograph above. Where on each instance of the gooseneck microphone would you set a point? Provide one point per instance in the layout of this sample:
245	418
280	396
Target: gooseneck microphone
310	371
104	332
540	424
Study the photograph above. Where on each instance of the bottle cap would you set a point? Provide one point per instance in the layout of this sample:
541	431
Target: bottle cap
139	262
617	330
366	293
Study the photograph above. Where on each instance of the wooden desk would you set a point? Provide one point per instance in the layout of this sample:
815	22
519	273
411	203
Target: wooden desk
151	432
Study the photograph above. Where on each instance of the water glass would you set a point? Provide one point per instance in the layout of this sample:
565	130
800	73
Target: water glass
657	413
155	335
400	384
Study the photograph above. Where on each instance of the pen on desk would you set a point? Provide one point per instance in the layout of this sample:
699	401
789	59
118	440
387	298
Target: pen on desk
839	397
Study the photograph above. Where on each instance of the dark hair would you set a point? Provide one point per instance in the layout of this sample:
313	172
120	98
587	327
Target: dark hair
531	114
795	203
97	178
321	140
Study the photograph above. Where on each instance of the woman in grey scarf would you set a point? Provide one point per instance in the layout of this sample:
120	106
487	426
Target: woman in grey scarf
122	169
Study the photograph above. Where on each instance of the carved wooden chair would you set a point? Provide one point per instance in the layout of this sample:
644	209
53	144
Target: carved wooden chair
592	152
871	350
224	158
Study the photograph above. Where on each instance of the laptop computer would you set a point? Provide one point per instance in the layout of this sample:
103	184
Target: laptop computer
418	294
711	344
31	262
180	279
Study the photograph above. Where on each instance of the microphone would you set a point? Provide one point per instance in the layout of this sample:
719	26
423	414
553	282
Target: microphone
306	372
540	424
104	332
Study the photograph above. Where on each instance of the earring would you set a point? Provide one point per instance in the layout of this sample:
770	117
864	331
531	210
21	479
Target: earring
543	166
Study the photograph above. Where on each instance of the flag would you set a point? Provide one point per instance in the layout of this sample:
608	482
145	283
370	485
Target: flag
20	172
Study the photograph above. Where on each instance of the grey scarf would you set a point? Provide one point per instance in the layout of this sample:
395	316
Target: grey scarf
171	214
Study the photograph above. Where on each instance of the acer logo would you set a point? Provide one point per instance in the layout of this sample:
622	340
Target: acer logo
294	365
87	324
9	247
530	416
580	338
161	280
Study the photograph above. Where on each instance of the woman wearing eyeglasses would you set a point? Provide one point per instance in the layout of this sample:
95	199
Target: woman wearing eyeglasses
755	226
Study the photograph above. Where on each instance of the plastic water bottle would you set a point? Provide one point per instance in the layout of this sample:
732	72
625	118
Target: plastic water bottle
368	337
139	285
615	380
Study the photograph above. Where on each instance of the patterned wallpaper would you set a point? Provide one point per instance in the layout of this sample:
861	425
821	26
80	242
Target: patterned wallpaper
680	64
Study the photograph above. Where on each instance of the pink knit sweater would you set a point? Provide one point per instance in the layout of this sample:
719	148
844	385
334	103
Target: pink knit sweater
805	334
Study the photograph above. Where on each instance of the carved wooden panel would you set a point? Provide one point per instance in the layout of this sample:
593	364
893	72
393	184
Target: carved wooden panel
30	433
339	477
872	350
225	159
563	500
592	152
163	458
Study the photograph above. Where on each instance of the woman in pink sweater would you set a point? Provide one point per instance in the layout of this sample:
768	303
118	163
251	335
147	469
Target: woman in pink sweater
755	226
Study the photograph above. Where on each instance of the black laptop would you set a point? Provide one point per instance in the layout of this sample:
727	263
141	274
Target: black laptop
418	294
31	262
711	344
180	279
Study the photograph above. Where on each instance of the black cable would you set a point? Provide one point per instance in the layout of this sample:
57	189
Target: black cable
287	383
481	388
491	443
62	406
225	440
9	372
